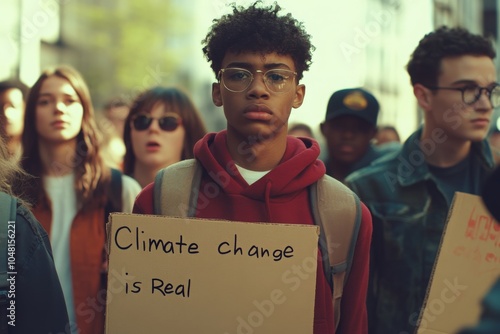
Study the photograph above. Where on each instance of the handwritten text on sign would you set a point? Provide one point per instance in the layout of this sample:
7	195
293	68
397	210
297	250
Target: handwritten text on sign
217	272
466	267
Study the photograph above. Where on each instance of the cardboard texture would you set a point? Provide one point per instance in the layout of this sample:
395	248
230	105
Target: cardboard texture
467	265
191	281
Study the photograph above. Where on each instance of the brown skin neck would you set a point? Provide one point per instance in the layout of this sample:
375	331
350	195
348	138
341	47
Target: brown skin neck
257	154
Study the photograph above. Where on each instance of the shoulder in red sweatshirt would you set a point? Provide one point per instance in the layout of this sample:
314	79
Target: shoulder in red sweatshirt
280	196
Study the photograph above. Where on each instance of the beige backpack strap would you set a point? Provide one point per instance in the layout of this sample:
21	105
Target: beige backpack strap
176	189
337	211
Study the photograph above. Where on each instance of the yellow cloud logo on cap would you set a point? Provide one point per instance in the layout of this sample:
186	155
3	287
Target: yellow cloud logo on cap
355	101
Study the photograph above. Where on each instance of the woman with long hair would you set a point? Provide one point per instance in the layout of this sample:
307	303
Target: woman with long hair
162	127
72	189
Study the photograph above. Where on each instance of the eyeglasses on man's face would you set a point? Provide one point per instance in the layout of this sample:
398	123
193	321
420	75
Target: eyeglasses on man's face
167	123
471	94
239	79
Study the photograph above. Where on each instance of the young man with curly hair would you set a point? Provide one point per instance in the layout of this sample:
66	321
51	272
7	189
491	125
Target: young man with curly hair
256	171
410	191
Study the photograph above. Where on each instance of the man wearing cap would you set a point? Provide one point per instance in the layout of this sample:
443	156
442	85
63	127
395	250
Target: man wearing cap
409	192
349	127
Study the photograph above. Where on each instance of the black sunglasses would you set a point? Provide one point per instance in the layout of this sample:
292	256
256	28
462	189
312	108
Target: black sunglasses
166	123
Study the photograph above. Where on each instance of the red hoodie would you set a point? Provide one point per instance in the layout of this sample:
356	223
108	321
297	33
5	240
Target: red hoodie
280	196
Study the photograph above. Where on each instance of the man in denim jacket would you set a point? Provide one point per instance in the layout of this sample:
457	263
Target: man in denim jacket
410	191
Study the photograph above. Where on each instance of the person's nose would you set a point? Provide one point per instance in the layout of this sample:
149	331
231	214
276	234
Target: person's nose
484	102
60	107
258	88
155	126
348	132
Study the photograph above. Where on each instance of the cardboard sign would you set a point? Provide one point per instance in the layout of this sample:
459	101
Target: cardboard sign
467	265
206	276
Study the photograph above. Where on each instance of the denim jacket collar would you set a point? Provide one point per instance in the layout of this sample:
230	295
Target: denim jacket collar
413	168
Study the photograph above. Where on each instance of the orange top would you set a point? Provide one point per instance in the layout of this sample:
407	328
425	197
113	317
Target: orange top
86	246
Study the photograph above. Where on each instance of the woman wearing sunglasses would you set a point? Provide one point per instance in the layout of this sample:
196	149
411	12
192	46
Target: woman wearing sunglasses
162	127
72	190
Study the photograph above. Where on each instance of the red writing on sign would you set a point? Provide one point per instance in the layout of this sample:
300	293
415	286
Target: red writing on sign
482	227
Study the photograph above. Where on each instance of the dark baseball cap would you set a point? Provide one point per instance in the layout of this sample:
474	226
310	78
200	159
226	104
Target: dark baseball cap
353	102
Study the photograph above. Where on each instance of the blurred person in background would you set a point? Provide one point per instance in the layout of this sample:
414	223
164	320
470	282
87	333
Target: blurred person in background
111	124
116	111
349	128
300	130
12	104
162	127
72	189
386	134
39	300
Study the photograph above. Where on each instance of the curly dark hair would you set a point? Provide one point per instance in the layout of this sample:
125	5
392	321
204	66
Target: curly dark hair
425	62
258	29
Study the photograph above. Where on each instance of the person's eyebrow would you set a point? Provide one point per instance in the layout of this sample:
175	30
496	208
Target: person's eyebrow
276	65
240	65
65	94
468	82
249	66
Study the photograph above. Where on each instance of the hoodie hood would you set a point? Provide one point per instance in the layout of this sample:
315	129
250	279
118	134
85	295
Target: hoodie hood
297	170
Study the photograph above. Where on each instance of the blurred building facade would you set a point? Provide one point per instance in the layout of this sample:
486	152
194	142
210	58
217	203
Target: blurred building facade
23	24
37	34
480	17
387	55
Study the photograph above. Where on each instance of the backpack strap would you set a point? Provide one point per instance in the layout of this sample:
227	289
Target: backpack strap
114	204
115	201
8	212
182	180
337	210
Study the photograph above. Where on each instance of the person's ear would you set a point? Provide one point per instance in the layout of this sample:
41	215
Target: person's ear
216	94
322	127
423	95
300	92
